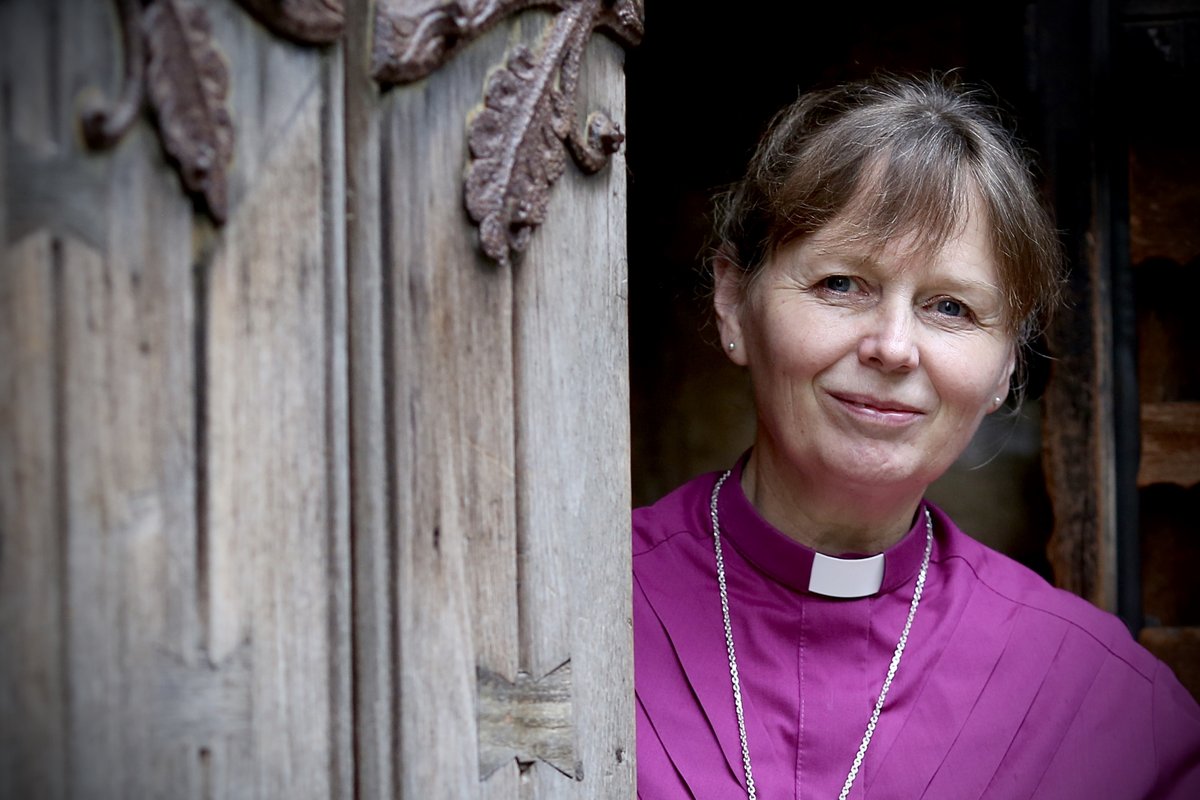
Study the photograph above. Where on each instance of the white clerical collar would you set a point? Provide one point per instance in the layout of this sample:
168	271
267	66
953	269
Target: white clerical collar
845	577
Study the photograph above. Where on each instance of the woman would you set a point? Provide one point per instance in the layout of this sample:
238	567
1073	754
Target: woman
805	623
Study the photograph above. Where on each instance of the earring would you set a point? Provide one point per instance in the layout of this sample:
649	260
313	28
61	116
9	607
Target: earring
731	346
999	401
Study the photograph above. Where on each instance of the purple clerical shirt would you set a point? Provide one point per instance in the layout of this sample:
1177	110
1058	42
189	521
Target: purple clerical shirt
1008	688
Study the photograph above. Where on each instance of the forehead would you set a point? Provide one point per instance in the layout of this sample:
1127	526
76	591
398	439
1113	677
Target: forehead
907	208
965	247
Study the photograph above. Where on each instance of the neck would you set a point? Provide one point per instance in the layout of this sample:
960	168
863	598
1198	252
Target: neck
829	519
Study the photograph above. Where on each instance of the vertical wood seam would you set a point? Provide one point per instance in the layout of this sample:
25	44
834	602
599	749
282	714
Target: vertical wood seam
336	572
520	517
352	531
371	484
62	507
387	342
352	422
200	444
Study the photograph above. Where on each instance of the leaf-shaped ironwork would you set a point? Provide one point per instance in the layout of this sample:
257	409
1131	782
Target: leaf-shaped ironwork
187	82
171	58
518	140
305	21
407	48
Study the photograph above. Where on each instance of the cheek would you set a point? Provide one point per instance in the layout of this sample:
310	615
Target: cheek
800	342
783	366
970	382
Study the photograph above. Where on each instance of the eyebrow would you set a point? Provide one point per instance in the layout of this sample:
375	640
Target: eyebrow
855	255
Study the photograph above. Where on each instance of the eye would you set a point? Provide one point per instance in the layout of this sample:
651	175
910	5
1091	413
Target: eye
951	308
839	283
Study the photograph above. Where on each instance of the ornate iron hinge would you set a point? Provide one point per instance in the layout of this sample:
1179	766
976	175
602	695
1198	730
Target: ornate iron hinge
518	140
170	57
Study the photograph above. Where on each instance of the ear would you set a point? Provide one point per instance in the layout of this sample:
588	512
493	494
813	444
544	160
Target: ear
728	297
1005	382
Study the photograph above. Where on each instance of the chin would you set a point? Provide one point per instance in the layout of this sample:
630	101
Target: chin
880	470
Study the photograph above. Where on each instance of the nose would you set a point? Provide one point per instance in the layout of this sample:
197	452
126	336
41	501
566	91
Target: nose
888	343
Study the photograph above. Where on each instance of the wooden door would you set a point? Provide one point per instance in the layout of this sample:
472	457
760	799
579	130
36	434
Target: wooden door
301	493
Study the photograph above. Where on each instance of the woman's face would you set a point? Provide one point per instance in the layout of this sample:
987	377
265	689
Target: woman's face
869	369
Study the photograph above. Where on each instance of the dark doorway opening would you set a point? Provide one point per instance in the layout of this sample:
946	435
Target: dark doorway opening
701	88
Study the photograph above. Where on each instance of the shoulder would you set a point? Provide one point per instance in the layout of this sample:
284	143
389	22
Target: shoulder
1121	702
680	512
1023	589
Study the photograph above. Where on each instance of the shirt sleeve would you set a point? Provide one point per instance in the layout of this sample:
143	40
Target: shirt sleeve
1176	739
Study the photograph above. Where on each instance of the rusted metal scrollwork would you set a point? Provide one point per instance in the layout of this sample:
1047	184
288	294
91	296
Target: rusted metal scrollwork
304	21
518	140
170	57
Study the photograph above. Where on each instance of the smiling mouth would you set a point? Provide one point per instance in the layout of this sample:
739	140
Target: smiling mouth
874	408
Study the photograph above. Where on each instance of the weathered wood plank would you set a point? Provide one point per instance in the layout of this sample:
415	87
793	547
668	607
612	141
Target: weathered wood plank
1170	443
127	414
33	755
120	405
273	574
449	331
276	592
32	706
571	353
129	483
181	462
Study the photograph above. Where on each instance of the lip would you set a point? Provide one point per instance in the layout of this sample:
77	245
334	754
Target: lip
877	409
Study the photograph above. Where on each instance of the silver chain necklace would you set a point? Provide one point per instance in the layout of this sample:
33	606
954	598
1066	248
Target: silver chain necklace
733	667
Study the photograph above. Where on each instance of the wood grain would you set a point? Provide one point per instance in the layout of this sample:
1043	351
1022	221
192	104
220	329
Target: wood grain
1079	418
273	496
449	351
371	409
1170	443
179	411
528	720
573	455
32	708
129	489
121	410
33	752
277	534
337	426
